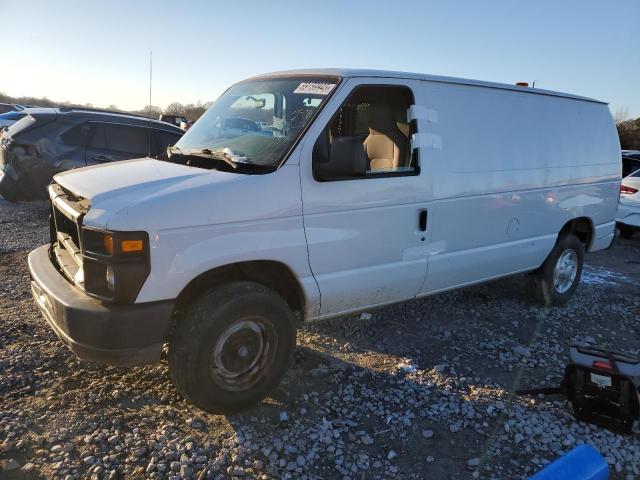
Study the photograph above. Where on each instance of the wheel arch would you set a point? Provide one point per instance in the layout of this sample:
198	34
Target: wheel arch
272	274
581	227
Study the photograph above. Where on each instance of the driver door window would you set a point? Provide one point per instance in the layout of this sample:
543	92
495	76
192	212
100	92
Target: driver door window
369	136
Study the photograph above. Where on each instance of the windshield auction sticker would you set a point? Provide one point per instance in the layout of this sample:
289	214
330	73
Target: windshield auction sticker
314	88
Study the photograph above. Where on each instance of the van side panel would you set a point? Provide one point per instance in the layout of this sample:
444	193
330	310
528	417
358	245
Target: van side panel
259	217
484	237
514	167
501	141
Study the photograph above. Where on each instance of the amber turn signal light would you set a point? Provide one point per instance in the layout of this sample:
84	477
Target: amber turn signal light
108	243
128	246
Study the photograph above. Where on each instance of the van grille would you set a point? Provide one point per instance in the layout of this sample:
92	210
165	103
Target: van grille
67	212
65	226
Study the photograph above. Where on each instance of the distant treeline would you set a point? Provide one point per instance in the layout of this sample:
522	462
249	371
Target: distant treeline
191	111
629	130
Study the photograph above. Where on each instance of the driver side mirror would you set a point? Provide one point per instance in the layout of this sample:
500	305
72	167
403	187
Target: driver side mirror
340	158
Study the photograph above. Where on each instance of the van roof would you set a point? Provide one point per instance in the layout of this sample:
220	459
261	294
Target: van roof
352	72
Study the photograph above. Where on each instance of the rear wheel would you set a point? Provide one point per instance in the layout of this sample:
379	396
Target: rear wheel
555	281
232	347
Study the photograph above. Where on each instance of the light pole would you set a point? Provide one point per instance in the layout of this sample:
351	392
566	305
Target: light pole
150	73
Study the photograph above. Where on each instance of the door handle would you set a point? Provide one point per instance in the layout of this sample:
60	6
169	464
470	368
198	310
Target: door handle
100	158
423	220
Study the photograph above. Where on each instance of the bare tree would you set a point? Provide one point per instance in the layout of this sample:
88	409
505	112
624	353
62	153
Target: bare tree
175	108
151	111
621	115
194	110
629	132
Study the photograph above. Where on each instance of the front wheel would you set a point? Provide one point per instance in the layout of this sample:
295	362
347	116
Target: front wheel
232	347
555	281
12	191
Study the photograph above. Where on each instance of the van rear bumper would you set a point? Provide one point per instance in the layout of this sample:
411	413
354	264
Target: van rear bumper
123	335
602	236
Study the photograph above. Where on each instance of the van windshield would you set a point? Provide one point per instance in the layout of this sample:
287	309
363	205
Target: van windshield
258	121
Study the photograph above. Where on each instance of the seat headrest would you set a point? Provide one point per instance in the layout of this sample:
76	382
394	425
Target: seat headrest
381	119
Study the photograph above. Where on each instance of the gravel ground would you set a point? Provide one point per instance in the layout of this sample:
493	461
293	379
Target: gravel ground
416	390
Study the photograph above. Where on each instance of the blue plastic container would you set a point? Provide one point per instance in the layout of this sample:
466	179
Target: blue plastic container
582	463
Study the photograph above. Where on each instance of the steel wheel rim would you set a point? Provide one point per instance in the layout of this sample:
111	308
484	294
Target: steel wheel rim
565	271
243	353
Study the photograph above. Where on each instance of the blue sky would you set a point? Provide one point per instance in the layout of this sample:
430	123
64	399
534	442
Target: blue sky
97	51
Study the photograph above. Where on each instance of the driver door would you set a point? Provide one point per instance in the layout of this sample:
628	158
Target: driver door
366	230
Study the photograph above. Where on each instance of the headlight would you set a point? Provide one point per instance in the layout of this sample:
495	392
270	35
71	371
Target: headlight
110	278
114	243
115	264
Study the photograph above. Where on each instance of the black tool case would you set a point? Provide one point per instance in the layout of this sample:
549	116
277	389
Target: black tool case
603	387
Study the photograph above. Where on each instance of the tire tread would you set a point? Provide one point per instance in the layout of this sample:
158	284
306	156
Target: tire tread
183	345
541	286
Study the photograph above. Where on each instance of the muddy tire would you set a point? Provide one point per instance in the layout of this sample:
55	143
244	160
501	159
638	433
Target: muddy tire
10	190
232	347
557	278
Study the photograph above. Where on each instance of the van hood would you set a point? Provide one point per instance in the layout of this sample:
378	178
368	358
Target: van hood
113	187
94	181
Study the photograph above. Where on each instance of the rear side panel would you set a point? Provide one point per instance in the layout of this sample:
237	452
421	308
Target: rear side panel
512	168
504	141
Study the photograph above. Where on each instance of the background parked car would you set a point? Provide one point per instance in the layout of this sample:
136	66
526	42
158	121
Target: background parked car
10	107
630	162
176	120
47	141
9	118
628	217
185	125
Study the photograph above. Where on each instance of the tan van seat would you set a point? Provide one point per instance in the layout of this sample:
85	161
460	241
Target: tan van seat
386	144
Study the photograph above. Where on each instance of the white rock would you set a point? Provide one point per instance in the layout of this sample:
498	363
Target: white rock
473	462
366	440
521	350
9	464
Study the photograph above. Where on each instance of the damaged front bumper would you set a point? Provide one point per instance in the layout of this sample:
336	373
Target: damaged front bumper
123	335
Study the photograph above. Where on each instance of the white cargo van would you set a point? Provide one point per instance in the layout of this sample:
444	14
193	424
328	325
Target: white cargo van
357	189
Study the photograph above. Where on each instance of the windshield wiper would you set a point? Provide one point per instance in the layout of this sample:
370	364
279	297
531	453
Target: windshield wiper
206	153
233	161
248	164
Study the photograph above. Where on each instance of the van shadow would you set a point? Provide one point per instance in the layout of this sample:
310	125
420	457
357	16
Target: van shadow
439	364
411	367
